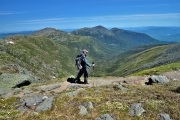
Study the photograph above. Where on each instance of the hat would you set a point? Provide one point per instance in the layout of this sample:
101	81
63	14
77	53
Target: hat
85	50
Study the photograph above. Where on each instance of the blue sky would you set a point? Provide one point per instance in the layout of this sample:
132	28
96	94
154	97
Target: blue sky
20	15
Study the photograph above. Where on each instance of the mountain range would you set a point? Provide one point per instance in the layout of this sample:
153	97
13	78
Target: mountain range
160	33
118	39
50	52
36	72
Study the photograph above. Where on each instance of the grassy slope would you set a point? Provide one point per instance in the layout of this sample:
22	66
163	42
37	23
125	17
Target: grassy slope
153	57
46	57
160	69
37	54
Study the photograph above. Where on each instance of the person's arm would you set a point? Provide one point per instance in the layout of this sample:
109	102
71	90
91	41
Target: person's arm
87	63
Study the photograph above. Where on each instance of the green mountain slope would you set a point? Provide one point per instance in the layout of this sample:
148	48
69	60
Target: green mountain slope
135	61
49	53
42	56
117	39
76	43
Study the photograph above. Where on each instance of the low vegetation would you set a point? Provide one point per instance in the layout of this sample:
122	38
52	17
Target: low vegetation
155	99
159	70
157	56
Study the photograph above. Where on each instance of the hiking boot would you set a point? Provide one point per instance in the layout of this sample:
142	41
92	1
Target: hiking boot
86	80
86	83
77	80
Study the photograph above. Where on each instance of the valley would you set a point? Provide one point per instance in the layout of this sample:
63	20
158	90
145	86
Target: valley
42	61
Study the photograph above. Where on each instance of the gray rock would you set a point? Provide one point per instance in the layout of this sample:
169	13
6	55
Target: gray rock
89	105
20	77
45	105
39	103
105	117
82	110
70	86
74	93
158	79
33	101
165	117
17	91
120	87
136	109
9	81
5	90
30	102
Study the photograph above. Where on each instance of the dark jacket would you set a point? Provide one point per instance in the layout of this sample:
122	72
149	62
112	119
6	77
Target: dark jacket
84	61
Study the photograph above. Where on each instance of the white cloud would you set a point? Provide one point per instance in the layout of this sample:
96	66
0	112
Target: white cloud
10	13
5	13
104	18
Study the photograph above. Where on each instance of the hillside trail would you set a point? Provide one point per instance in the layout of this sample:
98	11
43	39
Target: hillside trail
95	82
100	81
132	80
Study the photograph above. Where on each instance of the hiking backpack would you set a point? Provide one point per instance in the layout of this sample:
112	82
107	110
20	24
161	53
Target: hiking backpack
78	61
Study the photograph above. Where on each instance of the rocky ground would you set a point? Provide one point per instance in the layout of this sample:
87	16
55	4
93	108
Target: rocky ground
40	96
93	82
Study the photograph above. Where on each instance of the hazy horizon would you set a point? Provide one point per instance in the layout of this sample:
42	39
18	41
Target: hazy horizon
23	15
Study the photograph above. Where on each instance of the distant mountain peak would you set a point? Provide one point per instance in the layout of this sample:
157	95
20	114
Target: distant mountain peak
99	27
45	31
93	30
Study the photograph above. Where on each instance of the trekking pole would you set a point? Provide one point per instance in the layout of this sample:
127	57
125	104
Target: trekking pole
93	69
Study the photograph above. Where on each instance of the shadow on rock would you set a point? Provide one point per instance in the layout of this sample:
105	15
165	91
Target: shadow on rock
23	83
73	80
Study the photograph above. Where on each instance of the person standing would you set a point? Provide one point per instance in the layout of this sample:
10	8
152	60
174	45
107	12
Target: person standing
83	70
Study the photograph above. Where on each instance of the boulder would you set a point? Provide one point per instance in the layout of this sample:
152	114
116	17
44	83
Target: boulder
46	104
74	93
89	105
158	79
39	103
164	116
120	87
136	109
82	110
15	80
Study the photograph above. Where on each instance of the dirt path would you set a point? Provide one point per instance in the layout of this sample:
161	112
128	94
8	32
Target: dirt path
95	81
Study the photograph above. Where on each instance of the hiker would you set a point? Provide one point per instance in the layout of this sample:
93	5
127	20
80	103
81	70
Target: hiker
83	70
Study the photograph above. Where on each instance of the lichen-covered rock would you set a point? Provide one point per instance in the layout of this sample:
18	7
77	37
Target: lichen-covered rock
46	104
16	80
164	116
82	110
120	87
37	102
158	79
136	109
74	93
89	105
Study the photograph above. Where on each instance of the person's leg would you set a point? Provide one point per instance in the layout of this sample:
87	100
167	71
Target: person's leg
85	76
77	79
